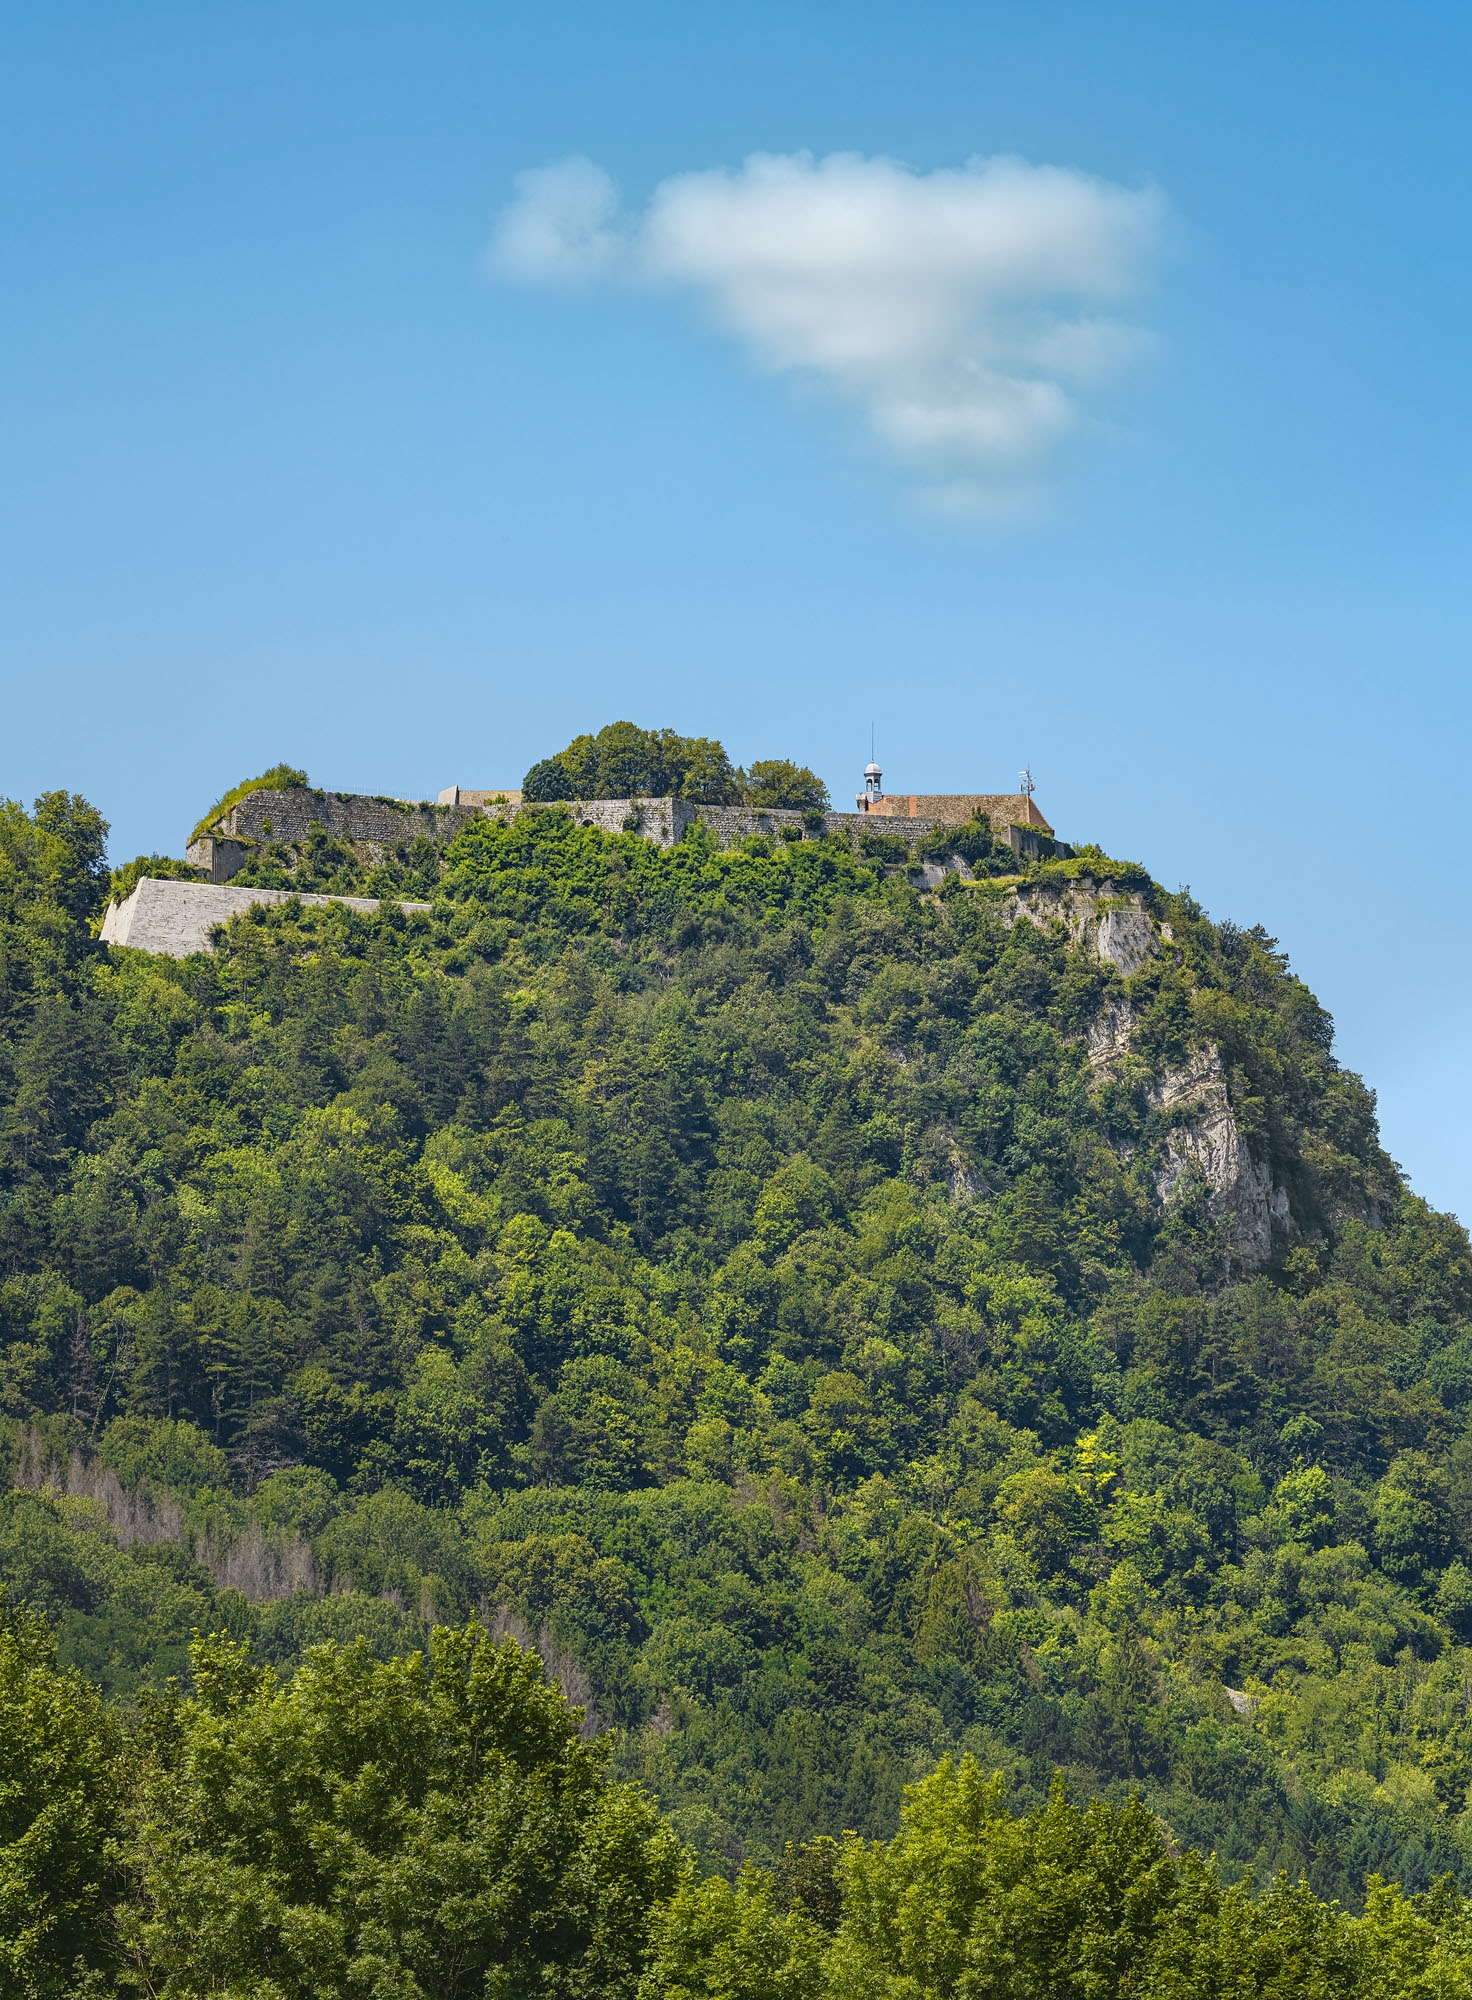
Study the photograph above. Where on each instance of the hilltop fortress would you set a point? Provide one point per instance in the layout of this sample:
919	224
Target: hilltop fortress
280	826
1109	918
375	826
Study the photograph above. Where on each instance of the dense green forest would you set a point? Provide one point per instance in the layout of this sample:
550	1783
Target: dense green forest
428	1828
729	1272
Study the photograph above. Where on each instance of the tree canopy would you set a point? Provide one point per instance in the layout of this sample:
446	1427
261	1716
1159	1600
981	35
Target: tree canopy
623	760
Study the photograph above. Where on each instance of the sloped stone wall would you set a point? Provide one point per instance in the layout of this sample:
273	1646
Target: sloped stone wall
178	918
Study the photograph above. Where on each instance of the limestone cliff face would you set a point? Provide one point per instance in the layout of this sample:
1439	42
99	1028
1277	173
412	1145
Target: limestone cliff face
1208	1144
1109	1033
1126	937
1117	926
1202	1140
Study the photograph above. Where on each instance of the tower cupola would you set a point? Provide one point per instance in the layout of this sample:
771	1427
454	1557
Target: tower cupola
873	790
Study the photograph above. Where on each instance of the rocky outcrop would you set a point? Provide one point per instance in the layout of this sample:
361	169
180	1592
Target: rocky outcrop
1205	1142
1109	1032
1113	924
1123	936
1202	1141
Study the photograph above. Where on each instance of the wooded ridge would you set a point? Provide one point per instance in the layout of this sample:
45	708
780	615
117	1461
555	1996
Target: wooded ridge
861	1335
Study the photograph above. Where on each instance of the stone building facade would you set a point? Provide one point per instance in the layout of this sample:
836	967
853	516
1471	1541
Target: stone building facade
1003	809
457	795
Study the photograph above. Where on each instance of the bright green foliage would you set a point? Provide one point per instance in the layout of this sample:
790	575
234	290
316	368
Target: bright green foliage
972	1902
623	760
59	1806
983	852
120	1614
53	871
420	1828
68	845
545	877
280	778
715	1942
776	781
323	864
159	867
967	1898
54	1059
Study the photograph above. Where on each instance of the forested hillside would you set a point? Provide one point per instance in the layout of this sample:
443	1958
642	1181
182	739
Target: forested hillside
738	1273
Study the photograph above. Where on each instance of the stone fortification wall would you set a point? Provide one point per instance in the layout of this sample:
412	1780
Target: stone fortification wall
375	826
178	918
668	820
660	820
290	816
732	823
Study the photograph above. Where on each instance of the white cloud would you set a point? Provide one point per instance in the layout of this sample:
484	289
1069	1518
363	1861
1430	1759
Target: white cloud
966	311
558	226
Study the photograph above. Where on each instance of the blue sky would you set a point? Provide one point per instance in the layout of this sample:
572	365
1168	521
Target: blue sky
292	468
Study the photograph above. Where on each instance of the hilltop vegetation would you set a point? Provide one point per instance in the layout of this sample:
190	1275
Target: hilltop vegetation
729	1270
623	761
280	778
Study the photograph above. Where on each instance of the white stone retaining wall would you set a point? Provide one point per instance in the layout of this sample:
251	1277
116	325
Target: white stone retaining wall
177	918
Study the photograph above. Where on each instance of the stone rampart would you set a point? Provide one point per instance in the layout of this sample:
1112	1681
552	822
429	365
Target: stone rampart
179	918
378	825
291	815
667	821
374	825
